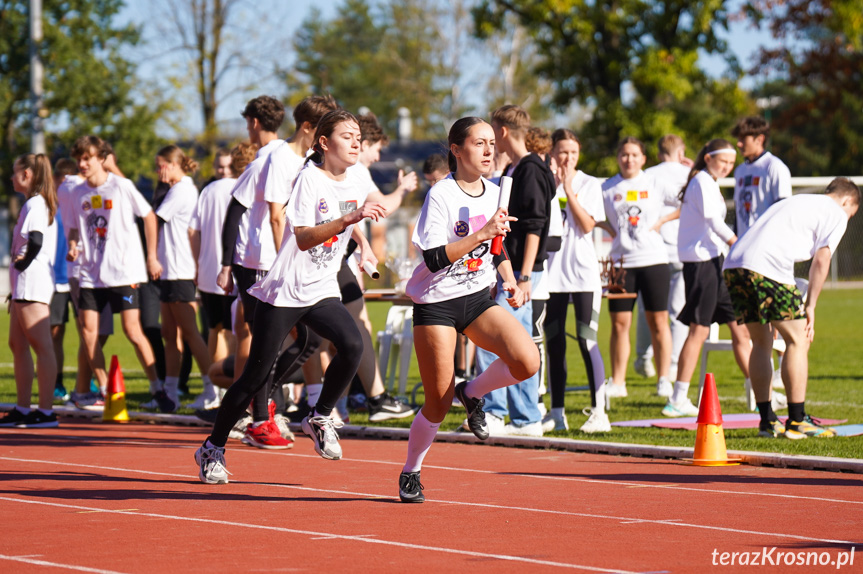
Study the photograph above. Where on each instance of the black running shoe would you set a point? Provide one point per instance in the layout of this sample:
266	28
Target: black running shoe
410	487
207	415
12	419
166	405
475	414
36	419
388	407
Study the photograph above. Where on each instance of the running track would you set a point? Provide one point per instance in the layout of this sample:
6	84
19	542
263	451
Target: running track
93	498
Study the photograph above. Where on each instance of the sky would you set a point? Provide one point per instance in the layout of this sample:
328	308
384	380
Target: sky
282	24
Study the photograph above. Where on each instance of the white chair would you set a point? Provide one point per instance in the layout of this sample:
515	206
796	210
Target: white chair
395	347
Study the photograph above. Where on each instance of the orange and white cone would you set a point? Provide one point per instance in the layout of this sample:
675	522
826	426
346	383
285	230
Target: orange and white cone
115	398
709	437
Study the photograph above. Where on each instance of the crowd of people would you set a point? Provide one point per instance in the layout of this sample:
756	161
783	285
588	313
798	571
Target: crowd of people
273	248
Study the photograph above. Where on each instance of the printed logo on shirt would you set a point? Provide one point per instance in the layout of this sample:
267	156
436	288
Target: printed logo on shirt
628	217
617	197
322	206
746	201
97	231
467	270
96	200
85	206
756	180
747	180
473	264
461	228
477	222
631	195
324	253
642	195
109	204
348	206
329	242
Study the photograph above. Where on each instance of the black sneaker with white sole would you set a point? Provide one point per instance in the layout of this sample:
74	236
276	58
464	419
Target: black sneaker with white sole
12	419
387	407
475	414
410	487
36	419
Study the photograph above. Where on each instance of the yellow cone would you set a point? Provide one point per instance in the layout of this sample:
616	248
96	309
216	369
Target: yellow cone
115	399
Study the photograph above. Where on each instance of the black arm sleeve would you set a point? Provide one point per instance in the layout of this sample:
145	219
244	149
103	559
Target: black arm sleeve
436	258
34	245
504	256
231	229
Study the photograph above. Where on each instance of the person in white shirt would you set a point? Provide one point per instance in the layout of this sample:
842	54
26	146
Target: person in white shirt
633	205
450	291
672	172
179	270
573	275
759	272
34	245
703	238
223	165
104	234
326	204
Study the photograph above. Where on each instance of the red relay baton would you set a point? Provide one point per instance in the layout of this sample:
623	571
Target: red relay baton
505	189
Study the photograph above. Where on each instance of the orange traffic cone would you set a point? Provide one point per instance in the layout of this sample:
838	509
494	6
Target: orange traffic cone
710	438
115	398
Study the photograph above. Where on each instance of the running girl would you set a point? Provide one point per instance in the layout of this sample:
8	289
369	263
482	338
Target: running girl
302	288
450	291
34	243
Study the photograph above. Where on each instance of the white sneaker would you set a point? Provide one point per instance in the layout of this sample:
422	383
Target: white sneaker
778	401
239	429
554	423
613	391
530	429
664	388
596	422
495	425
645	368
211	464
749	395
205	402
150	405
542	409
777	380
684	408
322	431
282	422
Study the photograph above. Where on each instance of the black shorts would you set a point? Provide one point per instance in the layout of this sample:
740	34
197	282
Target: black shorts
228	366
456	313
652	282
177	291
348	284
150	306
60	308
245	278
707	298
121	298
217	309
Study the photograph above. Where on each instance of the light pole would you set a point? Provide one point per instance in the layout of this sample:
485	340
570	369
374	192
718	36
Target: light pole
37	137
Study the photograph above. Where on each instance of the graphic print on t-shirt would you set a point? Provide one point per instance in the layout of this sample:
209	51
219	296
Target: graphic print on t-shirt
746	200
97	230
629	216
465	270
322	254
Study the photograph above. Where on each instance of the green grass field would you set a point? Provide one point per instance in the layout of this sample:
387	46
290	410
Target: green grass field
835	384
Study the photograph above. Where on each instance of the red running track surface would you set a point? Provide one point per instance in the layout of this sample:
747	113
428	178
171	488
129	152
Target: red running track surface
96	498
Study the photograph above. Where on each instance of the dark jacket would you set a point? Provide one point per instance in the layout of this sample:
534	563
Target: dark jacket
533	189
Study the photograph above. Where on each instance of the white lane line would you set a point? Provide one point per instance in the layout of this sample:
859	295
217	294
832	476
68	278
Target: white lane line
28	560
324	535
620	519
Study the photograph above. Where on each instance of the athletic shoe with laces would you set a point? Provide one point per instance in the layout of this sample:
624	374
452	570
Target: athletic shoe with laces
211	461
552	422
773	429
165	403
529	429
36	419
475	415
664	388
596	422
613	391
387	408
645	368
410	487
205	401
267	436
322	431
778	401
238	431
60	394
281	421
684	408
152	404
807	428
12	418
89	401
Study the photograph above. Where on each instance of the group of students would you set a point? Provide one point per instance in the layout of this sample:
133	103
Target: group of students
283	230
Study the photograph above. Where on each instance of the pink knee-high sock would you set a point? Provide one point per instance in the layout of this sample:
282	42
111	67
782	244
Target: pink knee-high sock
419	442
496	376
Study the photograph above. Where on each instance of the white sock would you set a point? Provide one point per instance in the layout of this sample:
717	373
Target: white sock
24	410
557	413
171	386
419	442
209	389
46	412
156	385
313	391
681	390
496	376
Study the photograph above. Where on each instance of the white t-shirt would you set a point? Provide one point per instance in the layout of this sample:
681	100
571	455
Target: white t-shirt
280	172
302	278
790	231
36	283
757	186
110	247
256	248
449	214
575	267
703	233
66	204
632	207
208	218
671	176
174	250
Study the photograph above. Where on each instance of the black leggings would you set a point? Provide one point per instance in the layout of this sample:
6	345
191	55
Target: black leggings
555	340
329	319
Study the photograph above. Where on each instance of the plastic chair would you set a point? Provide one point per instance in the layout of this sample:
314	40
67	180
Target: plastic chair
395	347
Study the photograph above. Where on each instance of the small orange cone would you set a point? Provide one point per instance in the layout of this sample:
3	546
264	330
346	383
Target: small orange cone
710	438
115	398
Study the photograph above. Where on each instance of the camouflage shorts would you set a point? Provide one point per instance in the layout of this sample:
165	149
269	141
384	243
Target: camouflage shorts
757	299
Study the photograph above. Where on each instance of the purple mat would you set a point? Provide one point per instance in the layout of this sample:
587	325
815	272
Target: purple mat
733	421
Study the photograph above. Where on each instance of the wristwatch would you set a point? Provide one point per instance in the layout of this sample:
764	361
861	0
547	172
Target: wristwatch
524	279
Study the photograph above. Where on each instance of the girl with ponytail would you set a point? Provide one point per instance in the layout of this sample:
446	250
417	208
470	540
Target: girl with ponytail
34	245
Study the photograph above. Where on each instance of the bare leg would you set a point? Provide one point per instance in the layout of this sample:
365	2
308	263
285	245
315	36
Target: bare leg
660	334
620	346
131	320
34	321
691	349
795	365
761	360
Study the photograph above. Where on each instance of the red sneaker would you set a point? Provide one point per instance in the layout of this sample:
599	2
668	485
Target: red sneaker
266	435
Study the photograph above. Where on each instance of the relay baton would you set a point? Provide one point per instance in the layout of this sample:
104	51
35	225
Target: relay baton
371	270
505	188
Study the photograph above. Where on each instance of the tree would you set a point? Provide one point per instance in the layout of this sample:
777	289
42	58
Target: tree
89	84
632	64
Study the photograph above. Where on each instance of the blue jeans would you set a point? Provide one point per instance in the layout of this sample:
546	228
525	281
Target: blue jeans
519	400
